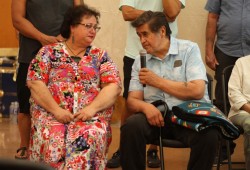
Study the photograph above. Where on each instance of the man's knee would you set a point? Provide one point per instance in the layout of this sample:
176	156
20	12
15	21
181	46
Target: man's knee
133	123
246	127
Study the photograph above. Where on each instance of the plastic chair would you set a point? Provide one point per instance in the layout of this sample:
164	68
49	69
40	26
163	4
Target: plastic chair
172	143
226	73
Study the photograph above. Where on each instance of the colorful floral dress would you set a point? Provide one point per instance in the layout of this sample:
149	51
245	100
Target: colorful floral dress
73	85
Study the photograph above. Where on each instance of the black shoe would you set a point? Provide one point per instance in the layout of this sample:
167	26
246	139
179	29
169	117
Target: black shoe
153	160
114	162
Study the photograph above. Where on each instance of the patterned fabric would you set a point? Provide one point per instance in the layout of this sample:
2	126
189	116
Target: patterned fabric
73	85
200	116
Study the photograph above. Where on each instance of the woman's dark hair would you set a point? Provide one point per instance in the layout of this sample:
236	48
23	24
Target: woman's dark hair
74	15
155	21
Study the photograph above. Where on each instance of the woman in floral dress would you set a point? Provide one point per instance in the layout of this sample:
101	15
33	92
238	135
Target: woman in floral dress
73	88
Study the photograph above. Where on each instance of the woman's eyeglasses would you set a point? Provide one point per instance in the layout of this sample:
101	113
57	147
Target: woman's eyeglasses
90	26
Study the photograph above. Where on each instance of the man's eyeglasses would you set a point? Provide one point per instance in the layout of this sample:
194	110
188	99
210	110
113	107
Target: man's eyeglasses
90	26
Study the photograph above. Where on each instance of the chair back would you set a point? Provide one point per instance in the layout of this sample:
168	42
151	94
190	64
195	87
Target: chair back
162	106
172	143
210	87
226	73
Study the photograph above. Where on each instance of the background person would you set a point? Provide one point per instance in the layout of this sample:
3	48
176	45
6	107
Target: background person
36	28
227	39
131	9
73	88
175	72
239	97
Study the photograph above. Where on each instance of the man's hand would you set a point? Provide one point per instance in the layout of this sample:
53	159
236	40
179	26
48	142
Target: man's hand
60	38
211	61
45	39
148	77
154	116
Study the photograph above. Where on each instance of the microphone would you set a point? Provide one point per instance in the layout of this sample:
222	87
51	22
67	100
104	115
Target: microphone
143	54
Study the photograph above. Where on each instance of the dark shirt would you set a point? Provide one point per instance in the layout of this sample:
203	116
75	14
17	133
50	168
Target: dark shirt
47	16
233	26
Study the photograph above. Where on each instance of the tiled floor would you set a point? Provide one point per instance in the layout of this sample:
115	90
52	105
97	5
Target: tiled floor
175	159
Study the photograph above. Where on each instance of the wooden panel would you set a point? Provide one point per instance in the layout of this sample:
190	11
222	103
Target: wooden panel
7	32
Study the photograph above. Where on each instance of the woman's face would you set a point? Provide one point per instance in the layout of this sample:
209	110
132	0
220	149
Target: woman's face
85	32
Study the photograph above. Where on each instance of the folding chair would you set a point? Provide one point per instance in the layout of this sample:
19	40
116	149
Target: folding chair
226	73
171	143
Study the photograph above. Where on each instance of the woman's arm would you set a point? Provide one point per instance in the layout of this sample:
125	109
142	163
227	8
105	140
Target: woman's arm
42	96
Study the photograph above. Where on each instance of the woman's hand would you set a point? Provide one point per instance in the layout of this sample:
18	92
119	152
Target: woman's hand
84	114
63	116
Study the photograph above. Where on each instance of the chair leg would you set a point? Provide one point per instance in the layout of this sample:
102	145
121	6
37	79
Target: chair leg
229	161
229	155
219	155
161	152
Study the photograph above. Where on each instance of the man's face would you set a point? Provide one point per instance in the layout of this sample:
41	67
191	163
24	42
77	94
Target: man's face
150	41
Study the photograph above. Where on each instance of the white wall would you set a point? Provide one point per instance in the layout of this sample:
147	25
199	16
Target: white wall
192	24
112	36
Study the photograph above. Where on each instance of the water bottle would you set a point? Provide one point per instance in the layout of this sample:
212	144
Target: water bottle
2	108
14	108
11	110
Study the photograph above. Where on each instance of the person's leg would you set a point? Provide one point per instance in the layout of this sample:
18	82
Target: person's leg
243	120
114	162
24	119
87	144
203	146
224	61
153	159
135	134
127	69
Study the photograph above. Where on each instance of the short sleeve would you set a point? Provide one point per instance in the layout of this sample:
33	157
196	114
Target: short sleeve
39	67
135	84
213	6
194	64
126	2
109	72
